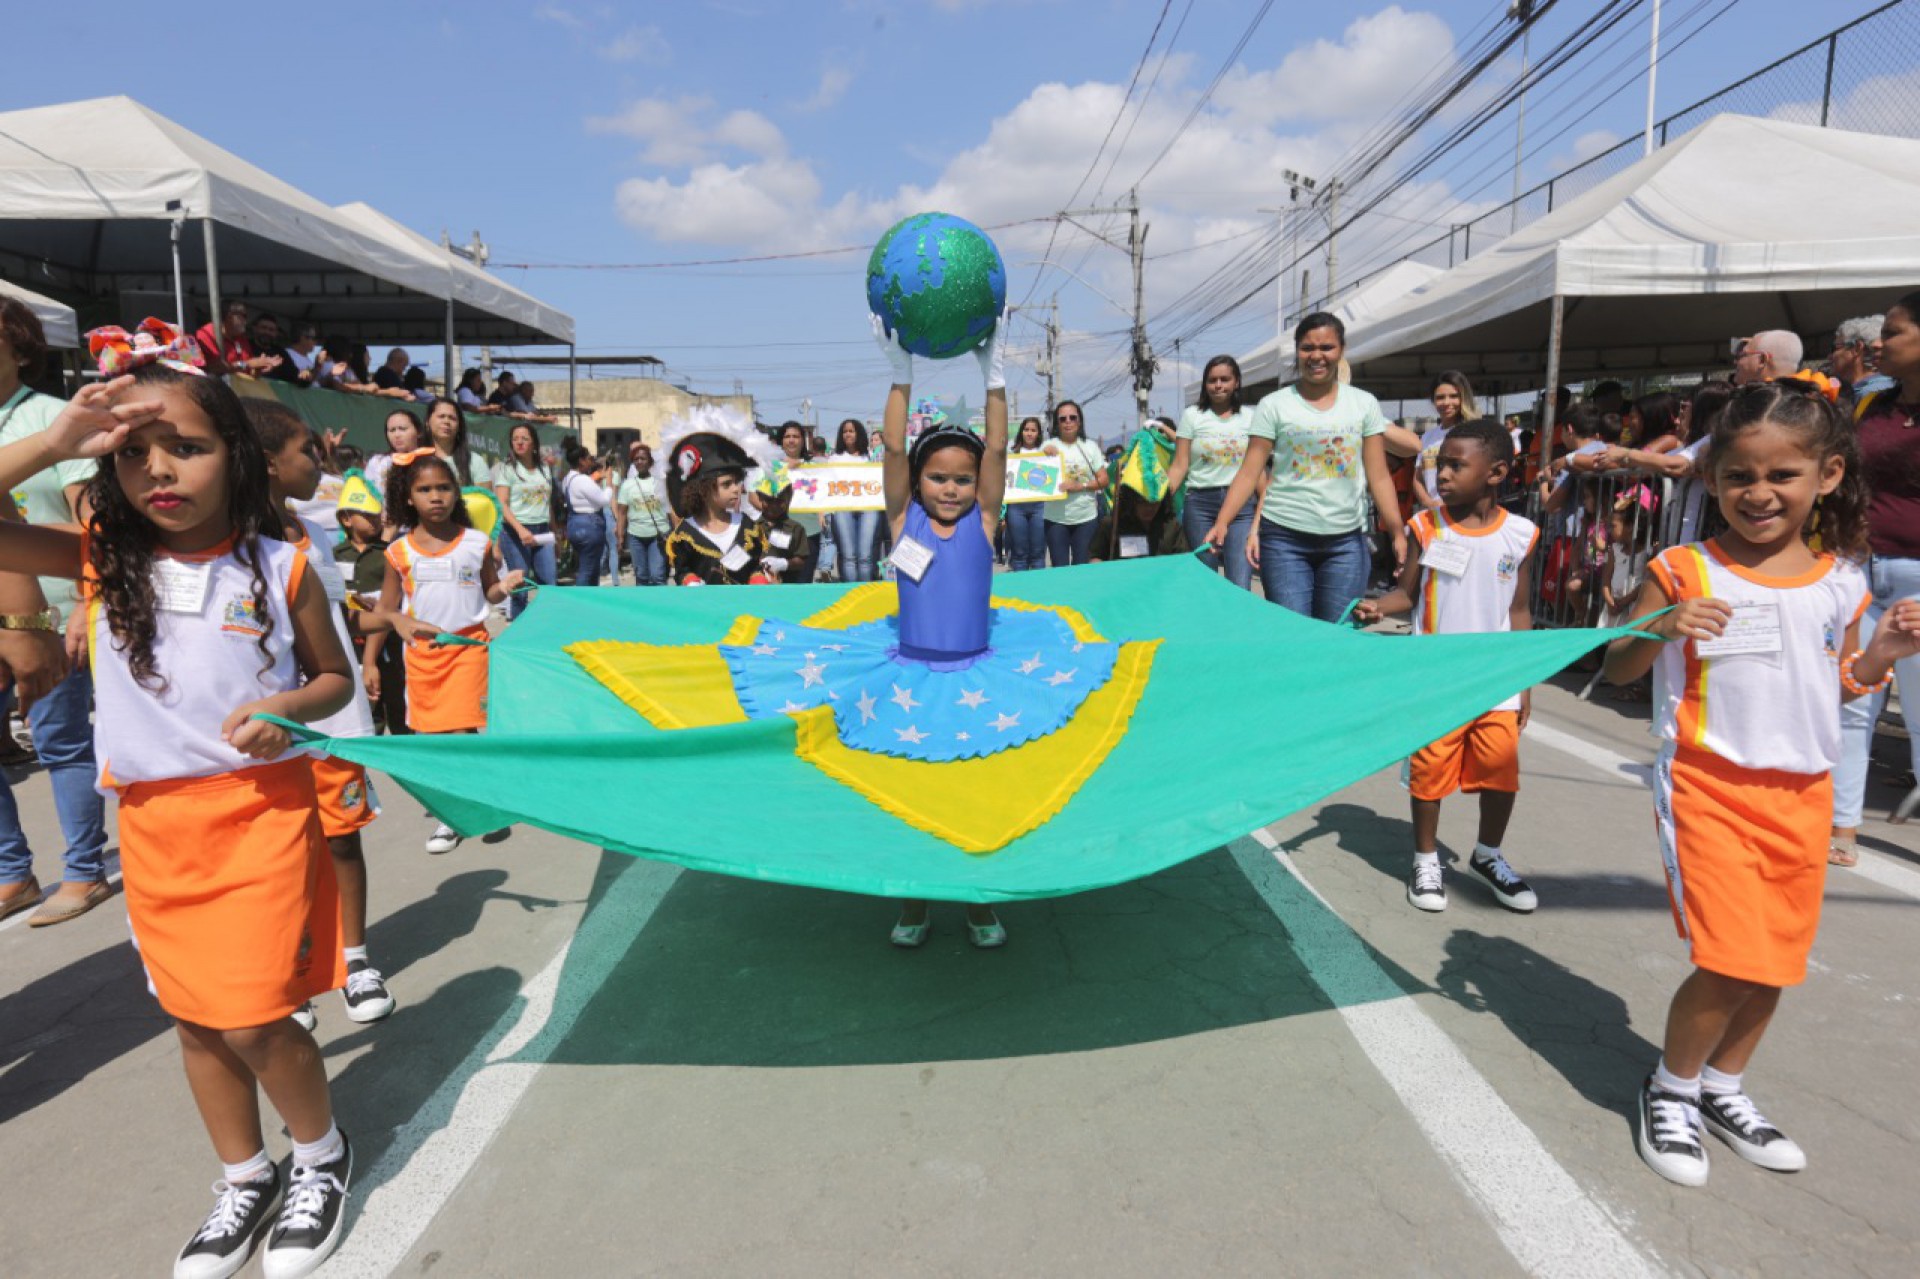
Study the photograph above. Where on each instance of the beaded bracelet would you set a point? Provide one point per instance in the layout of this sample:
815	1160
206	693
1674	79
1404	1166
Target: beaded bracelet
1854	686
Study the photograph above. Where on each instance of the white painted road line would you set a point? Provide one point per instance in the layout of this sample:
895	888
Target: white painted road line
1551	1226
433	1152
1883	871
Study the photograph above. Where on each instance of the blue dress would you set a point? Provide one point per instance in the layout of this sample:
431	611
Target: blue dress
950	677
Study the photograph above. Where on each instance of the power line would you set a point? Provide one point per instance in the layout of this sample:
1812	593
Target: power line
758	257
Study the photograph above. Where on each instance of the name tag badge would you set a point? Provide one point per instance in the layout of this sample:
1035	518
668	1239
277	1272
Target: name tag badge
437	569
781	539
911	557
1754	630
1447	555
734	560
181	587
1132	548
332	583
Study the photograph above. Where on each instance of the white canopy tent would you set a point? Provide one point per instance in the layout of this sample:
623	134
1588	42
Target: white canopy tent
1740	225
1273	361
95	198
56	318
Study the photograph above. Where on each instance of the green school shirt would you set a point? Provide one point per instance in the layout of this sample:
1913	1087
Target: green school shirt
43	498
1218	445
1319	484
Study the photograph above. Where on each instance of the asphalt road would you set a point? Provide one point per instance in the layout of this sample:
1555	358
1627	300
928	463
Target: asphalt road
1261	1062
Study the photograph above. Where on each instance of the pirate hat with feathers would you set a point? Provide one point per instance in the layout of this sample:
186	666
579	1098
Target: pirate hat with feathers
707	440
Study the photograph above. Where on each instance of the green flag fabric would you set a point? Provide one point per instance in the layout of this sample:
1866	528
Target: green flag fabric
1249	713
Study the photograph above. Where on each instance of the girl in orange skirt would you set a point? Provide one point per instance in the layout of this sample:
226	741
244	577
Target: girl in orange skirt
441	583
201	619
1762	646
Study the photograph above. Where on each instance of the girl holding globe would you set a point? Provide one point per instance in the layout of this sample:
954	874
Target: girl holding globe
1072	519
1208	448
943	508
1327	442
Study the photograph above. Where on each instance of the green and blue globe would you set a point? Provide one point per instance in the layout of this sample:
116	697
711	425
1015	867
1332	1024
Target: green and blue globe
938	284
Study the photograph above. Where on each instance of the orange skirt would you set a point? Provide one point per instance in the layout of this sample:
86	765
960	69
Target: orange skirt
345	795
447	685
231	894
1746	860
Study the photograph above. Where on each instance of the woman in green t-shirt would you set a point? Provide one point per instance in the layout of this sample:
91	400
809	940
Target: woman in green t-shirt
1328	445
1072	520
525	489
1208	449
642	518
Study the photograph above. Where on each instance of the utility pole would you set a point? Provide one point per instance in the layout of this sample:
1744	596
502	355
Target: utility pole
1285	244
1141	354
475	251
1653	66
1520	11
1333	238
1053	352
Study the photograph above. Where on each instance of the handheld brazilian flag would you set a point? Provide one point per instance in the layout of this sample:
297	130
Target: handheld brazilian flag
1143	468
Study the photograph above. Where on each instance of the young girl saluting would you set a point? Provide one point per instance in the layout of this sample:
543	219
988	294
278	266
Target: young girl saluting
440	582
1762	651
943	508
201	620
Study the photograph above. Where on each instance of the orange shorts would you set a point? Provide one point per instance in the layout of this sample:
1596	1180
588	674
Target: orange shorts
346	797
231	894
1746	858
1481	755
447	685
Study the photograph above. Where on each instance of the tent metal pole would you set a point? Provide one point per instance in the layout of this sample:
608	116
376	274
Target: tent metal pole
573	388
213	276
179	283
1558	315
446	353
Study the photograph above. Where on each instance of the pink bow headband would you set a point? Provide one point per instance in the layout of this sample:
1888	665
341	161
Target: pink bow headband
154	342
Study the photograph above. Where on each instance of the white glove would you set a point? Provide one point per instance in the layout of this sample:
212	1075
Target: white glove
774	563
992	355
897	356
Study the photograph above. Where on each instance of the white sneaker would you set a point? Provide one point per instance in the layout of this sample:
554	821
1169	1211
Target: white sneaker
305	1015
443	839
1667	1131
1427	889
1508	888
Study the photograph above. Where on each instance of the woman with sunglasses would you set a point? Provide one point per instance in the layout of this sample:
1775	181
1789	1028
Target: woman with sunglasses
1072	520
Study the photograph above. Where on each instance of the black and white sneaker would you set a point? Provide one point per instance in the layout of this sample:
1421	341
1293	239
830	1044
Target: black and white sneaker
1733	1118
306	1016
312	1218
225	1239
1427	889
1508	888
443	840
1668	1134
365	993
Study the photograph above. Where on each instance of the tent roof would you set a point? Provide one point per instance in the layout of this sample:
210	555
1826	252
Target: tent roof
1273	360
88	190
1740	225
57	318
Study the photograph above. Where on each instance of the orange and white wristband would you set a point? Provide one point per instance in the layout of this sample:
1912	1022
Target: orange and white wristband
1854	686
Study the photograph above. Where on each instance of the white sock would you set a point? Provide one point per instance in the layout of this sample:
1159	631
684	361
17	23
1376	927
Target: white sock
1426	859
258	1168
1718	1082
1666	1081
351	953
324	1151
1485	852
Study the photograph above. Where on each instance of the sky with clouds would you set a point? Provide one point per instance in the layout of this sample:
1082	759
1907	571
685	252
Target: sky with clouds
571	133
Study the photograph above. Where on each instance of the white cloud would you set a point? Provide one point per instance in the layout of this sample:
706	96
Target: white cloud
560	17
834	83
1593	143
637	44
1880	104
668	126
1379	58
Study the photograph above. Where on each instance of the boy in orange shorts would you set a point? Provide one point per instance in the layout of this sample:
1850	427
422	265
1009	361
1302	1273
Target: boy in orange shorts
347	803
1474	559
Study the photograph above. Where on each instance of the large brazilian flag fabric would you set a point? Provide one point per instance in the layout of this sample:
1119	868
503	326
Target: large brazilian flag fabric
1246	713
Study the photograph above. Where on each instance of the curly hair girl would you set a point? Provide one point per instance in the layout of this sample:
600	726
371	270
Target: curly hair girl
122	542
1839	520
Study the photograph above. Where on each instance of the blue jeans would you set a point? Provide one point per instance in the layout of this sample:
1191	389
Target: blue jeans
1070	543
588	533
1026	525
536	563
63	736
649	556
1893	580
853	538
610	559
1202	509
1317	574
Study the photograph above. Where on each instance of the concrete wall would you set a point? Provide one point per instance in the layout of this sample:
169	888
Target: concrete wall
624	408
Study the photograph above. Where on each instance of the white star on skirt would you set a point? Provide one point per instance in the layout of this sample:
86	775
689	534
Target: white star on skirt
866	705
973	699
1062	677
1007	721
1031	665
903	698
910	734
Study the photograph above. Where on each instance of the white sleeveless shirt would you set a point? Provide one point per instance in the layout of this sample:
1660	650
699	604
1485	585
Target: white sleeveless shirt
1467	585
355	719
442	588
206	647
